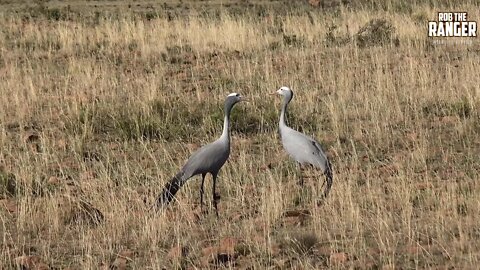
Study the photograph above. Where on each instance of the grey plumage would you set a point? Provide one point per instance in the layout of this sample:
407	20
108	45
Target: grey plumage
208	159
300	147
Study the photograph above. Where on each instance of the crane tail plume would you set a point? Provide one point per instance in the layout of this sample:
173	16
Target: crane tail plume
169	190
329	179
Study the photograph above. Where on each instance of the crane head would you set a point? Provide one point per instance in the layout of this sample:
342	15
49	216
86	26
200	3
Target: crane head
234	98
285	91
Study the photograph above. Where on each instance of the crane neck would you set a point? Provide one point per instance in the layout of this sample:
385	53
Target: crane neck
226	123
286	100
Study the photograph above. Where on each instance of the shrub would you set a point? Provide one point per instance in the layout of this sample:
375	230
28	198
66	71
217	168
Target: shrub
8	184
377	32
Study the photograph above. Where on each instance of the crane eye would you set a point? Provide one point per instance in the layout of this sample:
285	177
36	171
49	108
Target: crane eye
237	95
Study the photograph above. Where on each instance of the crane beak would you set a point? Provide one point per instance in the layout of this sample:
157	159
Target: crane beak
272	94
244	99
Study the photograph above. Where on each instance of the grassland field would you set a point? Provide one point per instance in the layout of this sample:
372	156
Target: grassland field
101	102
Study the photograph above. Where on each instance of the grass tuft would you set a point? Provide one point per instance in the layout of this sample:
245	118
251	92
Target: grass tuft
8	184
376	32
103	102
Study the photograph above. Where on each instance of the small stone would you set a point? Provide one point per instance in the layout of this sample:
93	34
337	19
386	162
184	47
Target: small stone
10	205
30	263
177	252
338	258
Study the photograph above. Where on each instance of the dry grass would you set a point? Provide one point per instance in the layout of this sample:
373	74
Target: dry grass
103	106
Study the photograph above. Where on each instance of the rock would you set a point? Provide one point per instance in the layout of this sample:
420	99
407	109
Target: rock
242	249
221	254
366	263
53	180
90	156
8	183
119	263
208	254
265	167
413	249
32	137
227	245
30	263
195	215
449	119
323	251
292	221
389	169
297	213
10	205
174	253
338	258
296	218
128	254
122	259
275	249
84	212
325	3
87	175
177	252
193	146
424	186
388	267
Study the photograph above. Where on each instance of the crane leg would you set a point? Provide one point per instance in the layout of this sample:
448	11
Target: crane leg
214	194
299	167
201	190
